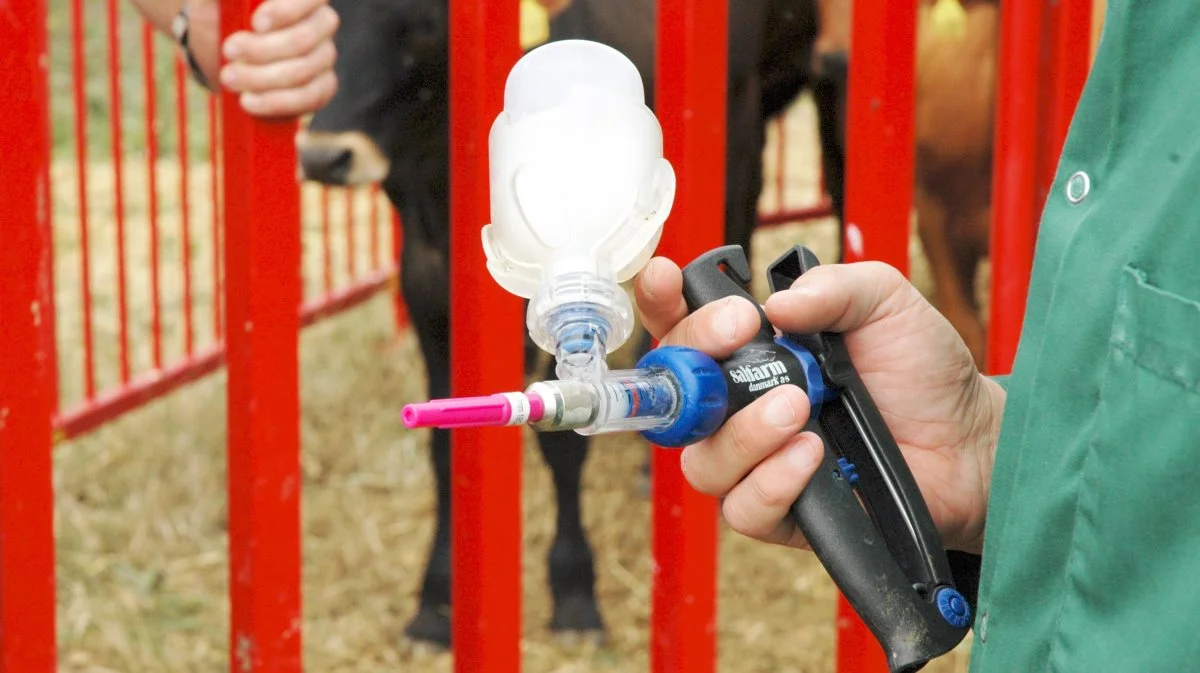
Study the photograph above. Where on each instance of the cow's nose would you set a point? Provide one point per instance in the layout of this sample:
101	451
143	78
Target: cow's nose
328	165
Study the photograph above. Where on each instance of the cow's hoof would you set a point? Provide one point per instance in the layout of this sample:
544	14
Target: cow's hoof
580	639
643	480
431	626
577	620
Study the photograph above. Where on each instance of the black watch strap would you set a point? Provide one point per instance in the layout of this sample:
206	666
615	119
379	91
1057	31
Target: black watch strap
179	28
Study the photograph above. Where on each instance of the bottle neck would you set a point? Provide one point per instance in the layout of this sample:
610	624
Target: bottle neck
579	318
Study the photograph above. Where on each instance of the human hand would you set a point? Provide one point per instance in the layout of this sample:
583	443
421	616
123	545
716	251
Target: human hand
283	66
943	413
554	7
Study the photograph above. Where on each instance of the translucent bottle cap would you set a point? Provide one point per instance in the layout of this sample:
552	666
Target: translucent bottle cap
543	78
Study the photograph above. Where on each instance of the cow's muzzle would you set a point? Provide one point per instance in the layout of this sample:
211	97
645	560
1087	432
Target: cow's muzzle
348	158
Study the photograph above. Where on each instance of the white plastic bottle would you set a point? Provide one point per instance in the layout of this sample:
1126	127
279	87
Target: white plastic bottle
579	194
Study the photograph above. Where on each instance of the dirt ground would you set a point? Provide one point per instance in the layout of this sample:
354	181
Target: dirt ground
141	508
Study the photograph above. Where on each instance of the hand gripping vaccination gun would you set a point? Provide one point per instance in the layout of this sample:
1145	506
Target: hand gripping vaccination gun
862	512
903	588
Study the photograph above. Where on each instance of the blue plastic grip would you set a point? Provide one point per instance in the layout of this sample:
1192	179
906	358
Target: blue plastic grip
814	380
703	395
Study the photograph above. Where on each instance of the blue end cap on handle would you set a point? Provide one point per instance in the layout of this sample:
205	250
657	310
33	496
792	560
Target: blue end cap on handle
954	607
814	380
703	395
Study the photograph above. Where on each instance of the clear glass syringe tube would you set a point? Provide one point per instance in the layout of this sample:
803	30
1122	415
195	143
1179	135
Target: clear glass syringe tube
630	399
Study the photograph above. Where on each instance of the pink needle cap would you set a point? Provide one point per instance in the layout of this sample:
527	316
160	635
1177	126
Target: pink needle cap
474	412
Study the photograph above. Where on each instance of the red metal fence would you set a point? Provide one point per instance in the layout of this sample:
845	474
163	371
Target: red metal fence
124	279
142	239
115	210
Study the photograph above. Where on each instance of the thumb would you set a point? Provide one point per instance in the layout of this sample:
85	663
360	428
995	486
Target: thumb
840	298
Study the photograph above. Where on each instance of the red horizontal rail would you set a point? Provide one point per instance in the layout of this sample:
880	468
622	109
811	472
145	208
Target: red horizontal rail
823	208
147	386
340	300
140	390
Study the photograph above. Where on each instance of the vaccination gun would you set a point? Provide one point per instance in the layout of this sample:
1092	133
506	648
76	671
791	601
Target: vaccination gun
862	513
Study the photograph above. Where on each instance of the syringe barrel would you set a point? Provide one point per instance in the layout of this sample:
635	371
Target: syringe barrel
631	399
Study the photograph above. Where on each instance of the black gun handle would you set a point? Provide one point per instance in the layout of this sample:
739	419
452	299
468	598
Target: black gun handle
845	540
719	273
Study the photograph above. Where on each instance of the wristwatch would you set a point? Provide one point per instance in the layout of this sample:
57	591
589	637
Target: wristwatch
179	29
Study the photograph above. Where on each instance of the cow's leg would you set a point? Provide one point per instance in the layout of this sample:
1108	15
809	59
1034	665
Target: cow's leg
430	318
425	284
934	225
970	248
829	97
570	564
642	342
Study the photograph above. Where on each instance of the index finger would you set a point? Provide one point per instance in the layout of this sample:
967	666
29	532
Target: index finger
285	42
276	14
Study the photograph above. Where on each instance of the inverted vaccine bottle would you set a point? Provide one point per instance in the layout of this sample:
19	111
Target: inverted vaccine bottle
579	194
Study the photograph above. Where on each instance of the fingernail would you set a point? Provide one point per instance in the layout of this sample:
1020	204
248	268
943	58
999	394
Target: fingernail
725	322
779	411
251	100
262	22
802	452
807	290
228	77
232	49
649	274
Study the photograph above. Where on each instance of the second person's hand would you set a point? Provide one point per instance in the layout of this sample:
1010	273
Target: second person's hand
284	65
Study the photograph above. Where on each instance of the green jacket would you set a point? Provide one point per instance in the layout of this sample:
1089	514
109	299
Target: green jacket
1092	553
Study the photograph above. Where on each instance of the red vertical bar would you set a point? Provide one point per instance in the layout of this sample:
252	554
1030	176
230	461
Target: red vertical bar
326	246
1015	178
398	249
49	318
114	112
373	218
485	354
27	602
349	195
879	185
148	37
79	83
781	162
1067	42
262	301
185	210
879	146
691	96
214	164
